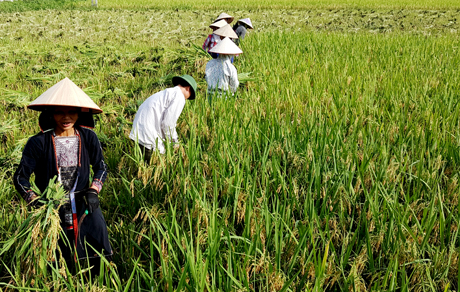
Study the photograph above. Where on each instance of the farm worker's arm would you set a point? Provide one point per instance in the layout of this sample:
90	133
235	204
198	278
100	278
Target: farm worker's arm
233	82
206	42
21	177
171	115
96	159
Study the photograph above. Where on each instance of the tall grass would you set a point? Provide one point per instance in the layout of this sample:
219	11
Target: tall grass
336	169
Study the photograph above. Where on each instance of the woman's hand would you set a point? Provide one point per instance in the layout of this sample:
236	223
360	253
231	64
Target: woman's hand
91	200
35	201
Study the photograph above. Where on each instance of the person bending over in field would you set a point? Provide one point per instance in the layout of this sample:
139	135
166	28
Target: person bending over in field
213	39
68	149
221	74
225	16
223	32
241	28
155	121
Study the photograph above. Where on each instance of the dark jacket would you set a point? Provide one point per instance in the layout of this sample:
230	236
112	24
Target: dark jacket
39	157
240	31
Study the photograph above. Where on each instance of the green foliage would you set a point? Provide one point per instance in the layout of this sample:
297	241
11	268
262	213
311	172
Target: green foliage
264	4
33	242
336	168
30	5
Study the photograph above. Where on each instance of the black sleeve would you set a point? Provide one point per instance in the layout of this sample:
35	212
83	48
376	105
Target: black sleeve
96	157
31	154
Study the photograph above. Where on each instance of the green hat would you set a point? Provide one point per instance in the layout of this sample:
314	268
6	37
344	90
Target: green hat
189	80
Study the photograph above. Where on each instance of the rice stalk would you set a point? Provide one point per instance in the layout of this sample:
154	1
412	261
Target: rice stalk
34	245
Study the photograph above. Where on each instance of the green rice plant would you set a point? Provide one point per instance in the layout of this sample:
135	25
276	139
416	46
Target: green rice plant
8	126
15	99
34	244
332	4
334	168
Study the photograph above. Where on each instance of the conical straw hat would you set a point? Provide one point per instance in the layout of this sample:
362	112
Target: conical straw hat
65	93
246	21
224	15
226	47
218	24
226	31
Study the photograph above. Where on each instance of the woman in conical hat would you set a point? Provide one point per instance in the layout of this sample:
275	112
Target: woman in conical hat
225	16
241	28
223	32
213	39
226	31
221	74
67	148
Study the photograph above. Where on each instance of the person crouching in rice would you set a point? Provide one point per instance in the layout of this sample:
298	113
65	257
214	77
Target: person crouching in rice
241	28
213	39
68	149
221	74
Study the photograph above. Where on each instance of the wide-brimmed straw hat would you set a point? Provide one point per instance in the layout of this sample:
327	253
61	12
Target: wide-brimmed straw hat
65	93
246	21
218	24
226	47
189	80
226	31
224	15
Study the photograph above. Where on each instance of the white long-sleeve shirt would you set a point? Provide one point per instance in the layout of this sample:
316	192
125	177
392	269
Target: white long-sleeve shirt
221	74
156	119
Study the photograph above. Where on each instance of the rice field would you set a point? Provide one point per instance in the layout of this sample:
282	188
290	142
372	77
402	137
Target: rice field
336	167
234	5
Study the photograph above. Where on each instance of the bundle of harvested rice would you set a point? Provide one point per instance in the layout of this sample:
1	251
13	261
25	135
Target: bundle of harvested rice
34	245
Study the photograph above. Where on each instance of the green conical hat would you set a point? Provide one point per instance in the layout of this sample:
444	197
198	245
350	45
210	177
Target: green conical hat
190	81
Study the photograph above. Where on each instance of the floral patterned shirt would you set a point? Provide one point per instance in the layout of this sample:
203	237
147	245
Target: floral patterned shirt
67	159
210	42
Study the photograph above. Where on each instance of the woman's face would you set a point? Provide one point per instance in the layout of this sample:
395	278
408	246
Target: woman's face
65	117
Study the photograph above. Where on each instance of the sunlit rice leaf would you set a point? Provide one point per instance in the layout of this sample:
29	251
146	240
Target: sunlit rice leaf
8	126
14	98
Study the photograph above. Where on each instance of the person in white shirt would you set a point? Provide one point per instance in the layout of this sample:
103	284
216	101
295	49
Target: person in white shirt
221	75
155	121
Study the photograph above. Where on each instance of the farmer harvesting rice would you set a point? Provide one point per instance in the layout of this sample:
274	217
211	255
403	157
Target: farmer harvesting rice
241	28
213	39
221	74
225	31
155	121
224	16
68	149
